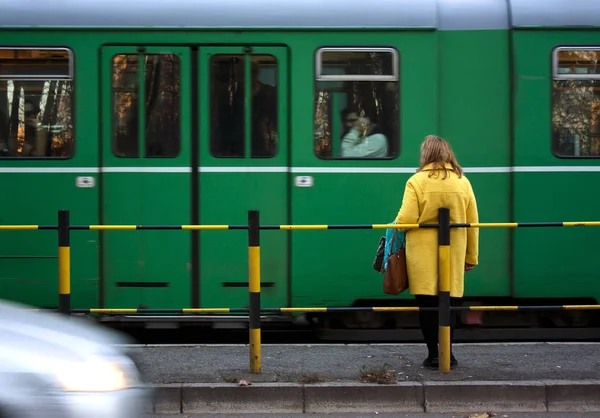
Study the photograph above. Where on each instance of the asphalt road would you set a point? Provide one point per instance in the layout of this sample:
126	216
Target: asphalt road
423	415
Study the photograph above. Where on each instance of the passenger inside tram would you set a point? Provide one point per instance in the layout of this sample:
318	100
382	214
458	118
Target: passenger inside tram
360	138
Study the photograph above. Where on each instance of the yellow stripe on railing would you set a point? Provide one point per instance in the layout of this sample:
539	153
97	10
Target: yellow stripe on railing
113	227
495	225
205	227
19	227
303	227
493	308
396	226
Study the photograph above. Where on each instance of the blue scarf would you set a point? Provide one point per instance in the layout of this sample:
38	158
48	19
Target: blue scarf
398	243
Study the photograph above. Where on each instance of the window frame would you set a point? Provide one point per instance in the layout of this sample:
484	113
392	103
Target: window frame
394	77
563	77
555	63
357	77
69	77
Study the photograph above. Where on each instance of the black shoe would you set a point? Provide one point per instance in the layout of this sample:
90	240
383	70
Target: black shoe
453	361
432	363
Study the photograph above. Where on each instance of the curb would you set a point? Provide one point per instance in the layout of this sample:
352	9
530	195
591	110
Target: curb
403	397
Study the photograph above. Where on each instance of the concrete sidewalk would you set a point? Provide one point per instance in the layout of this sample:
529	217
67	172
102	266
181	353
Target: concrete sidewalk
385	378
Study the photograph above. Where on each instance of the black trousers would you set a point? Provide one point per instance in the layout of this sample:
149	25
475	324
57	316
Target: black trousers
429	321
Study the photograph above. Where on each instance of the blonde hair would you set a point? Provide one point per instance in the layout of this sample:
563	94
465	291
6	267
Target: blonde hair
437	151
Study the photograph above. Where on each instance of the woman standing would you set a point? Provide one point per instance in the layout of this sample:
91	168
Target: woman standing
438	183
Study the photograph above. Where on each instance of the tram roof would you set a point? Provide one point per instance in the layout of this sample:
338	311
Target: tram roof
433	14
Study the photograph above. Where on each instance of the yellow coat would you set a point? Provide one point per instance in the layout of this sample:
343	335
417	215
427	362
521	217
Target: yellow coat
423	197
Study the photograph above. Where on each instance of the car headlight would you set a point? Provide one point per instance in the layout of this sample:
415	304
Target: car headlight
96	375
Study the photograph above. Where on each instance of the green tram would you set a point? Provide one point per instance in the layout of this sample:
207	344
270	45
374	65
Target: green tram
184	112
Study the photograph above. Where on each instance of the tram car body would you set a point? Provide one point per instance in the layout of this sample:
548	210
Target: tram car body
176	113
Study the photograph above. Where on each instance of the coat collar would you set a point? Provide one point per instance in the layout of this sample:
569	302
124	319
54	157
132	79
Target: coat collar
429	167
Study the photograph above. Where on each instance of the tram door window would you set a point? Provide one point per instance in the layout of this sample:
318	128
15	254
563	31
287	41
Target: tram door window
36	110
153	80
228	103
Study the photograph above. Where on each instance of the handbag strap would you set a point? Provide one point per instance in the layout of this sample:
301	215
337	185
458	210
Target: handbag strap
394	238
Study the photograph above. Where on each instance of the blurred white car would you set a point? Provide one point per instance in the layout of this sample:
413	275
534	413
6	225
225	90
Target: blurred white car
55	366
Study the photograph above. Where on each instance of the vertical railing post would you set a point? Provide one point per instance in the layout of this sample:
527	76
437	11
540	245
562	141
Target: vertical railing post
254	288
444	289
64	263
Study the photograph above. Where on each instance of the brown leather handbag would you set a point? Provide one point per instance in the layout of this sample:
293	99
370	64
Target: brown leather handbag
395	280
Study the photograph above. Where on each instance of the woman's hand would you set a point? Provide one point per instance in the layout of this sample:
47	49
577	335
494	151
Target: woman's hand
469	267
362	125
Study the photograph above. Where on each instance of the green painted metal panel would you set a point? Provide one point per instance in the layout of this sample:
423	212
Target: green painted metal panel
150	190
33	190
475	97
553	262
229	187
556	262
474	118
333	268
28	259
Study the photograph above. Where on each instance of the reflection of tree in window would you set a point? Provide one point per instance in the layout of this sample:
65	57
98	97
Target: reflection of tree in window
227	112
162	82
264	108
36	116
227	107
376	97
125	105
576	104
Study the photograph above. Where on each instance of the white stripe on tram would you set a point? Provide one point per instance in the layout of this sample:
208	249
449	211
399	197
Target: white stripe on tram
146	169
295	170
244	169
81	170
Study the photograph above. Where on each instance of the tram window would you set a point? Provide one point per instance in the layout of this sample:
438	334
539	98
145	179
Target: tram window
161	109
356	104
36	110
227	110
125	105
576	102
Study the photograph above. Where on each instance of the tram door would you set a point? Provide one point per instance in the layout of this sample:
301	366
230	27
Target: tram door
146	176
243	160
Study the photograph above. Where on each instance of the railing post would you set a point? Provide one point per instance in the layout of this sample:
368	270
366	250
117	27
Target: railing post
254	288
444	289
64	263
